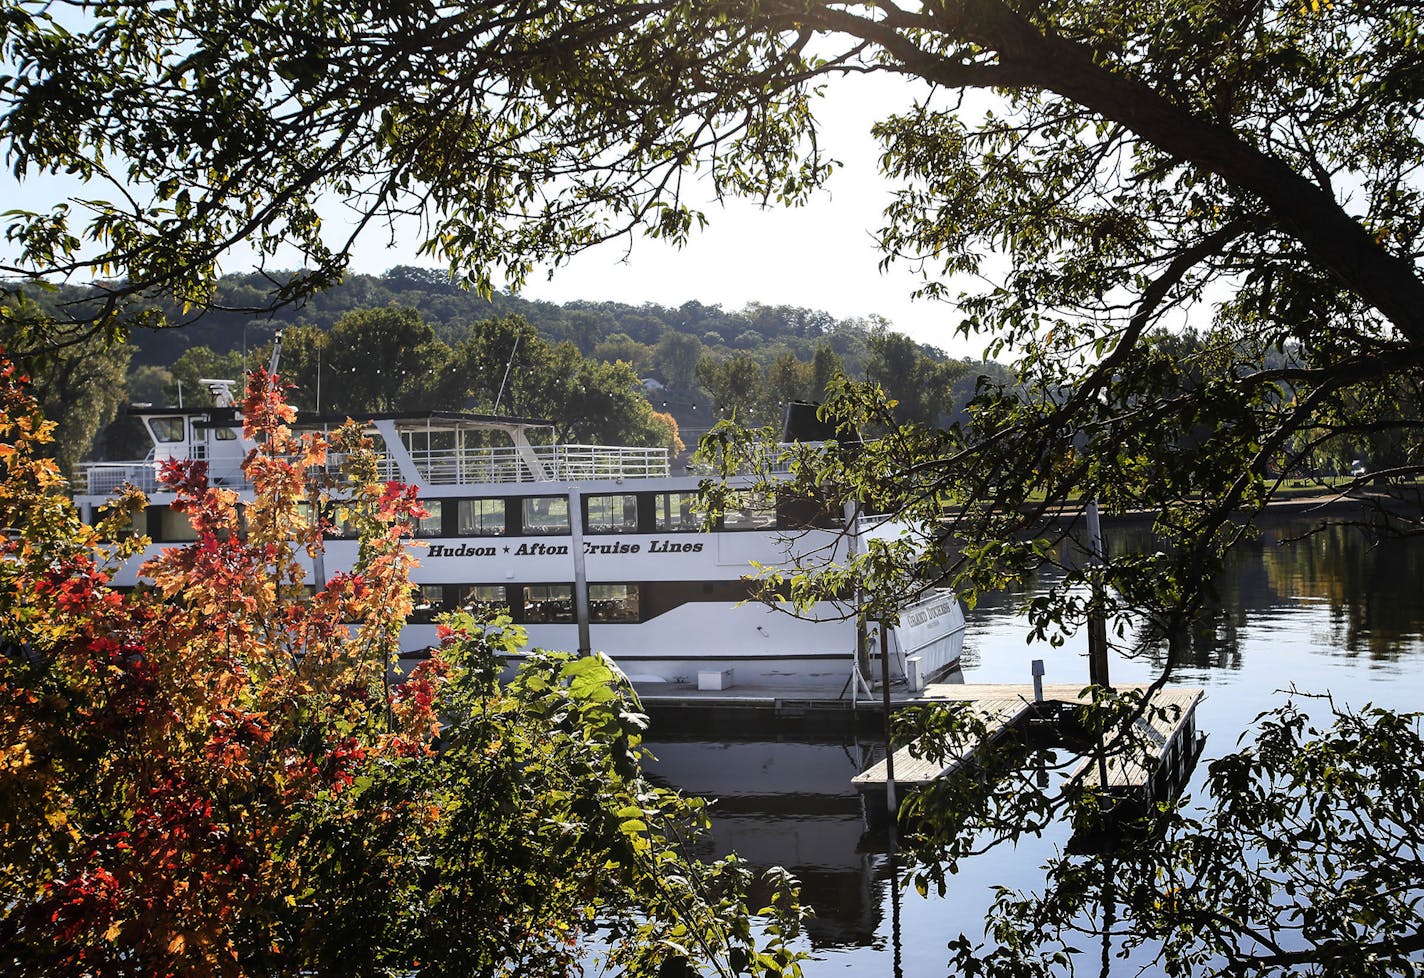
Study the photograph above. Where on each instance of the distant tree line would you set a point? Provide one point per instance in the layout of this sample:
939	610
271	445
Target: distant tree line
601	372
410	339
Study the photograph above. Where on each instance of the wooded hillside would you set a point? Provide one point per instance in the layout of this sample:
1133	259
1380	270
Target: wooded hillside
602	371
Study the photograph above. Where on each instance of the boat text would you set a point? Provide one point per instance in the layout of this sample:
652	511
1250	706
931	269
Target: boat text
562	549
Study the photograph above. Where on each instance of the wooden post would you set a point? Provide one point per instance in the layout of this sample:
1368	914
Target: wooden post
889	744
1097	631
1097	624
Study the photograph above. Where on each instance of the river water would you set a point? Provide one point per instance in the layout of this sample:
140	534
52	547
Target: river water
1333	612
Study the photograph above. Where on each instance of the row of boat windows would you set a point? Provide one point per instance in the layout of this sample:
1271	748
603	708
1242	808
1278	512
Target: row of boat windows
170	430
633	512
535	604
541	604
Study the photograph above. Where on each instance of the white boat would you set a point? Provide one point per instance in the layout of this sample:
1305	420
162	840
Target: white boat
633	574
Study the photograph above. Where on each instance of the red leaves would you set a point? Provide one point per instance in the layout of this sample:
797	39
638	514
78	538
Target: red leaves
188	477
77	903
342	760
400	502
264	409
193	736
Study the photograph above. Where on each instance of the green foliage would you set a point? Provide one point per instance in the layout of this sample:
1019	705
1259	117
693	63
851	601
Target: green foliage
78	377
1307	860
505	364
382	360
1250	169
738	389
676	356
197	364
921	384
621	346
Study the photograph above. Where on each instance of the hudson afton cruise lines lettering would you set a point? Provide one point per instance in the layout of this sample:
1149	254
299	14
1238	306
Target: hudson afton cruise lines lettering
537	549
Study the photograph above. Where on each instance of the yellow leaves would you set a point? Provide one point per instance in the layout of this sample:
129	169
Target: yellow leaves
112	934
314	451
17	757
59	821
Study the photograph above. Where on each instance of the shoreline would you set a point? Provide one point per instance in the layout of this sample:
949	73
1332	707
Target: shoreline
1334	508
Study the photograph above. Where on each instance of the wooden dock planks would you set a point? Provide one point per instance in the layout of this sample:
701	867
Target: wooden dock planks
1000	713
1164	743
1163	739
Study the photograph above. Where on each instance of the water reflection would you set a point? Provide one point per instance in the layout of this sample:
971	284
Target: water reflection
1355	591
1336	610
1344	589
790	803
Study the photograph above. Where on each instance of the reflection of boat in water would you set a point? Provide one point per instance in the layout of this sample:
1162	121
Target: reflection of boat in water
589	547
790	803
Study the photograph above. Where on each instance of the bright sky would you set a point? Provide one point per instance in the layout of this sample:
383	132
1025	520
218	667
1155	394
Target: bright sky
821	256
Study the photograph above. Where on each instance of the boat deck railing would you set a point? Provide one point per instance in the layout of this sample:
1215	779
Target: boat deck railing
104	478
462	466
767	459
473	466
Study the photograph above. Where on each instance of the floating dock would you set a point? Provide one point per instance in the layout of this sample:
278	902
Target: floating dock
1152	764
1168	745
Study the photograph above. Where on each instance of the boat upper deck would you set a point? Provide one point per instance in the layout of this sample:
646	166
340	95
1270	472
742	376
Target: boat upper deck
465	466
428	448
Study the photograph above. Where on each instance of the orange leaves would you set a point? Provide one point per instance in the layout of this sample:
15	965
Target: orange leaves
265	411
314	453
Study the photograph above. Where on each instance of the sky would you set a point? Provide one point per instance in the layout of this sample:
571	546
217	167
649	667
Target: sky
819	256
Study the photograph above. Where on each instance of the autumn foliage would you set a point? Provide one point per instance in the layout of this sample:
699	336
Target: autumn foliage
223	774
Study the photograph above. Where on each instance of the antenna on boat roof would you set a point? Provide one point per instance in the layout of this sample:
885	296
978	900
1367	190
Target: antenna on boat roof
513	350
276	353
220	389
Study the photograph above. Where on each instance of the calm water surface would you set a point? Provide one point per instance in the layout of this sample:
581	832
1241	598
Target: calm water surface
1334	612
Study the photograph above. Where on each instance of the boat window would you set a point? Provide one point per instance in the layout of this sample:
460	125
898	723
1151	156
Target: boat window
548	603
479	599
659	597
613	602
225	434
546	514
303	516
676	512
428	525
137	526
429	601
749	511
166	429
342	527
481	517
174	527
340	520
806	512
613	513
